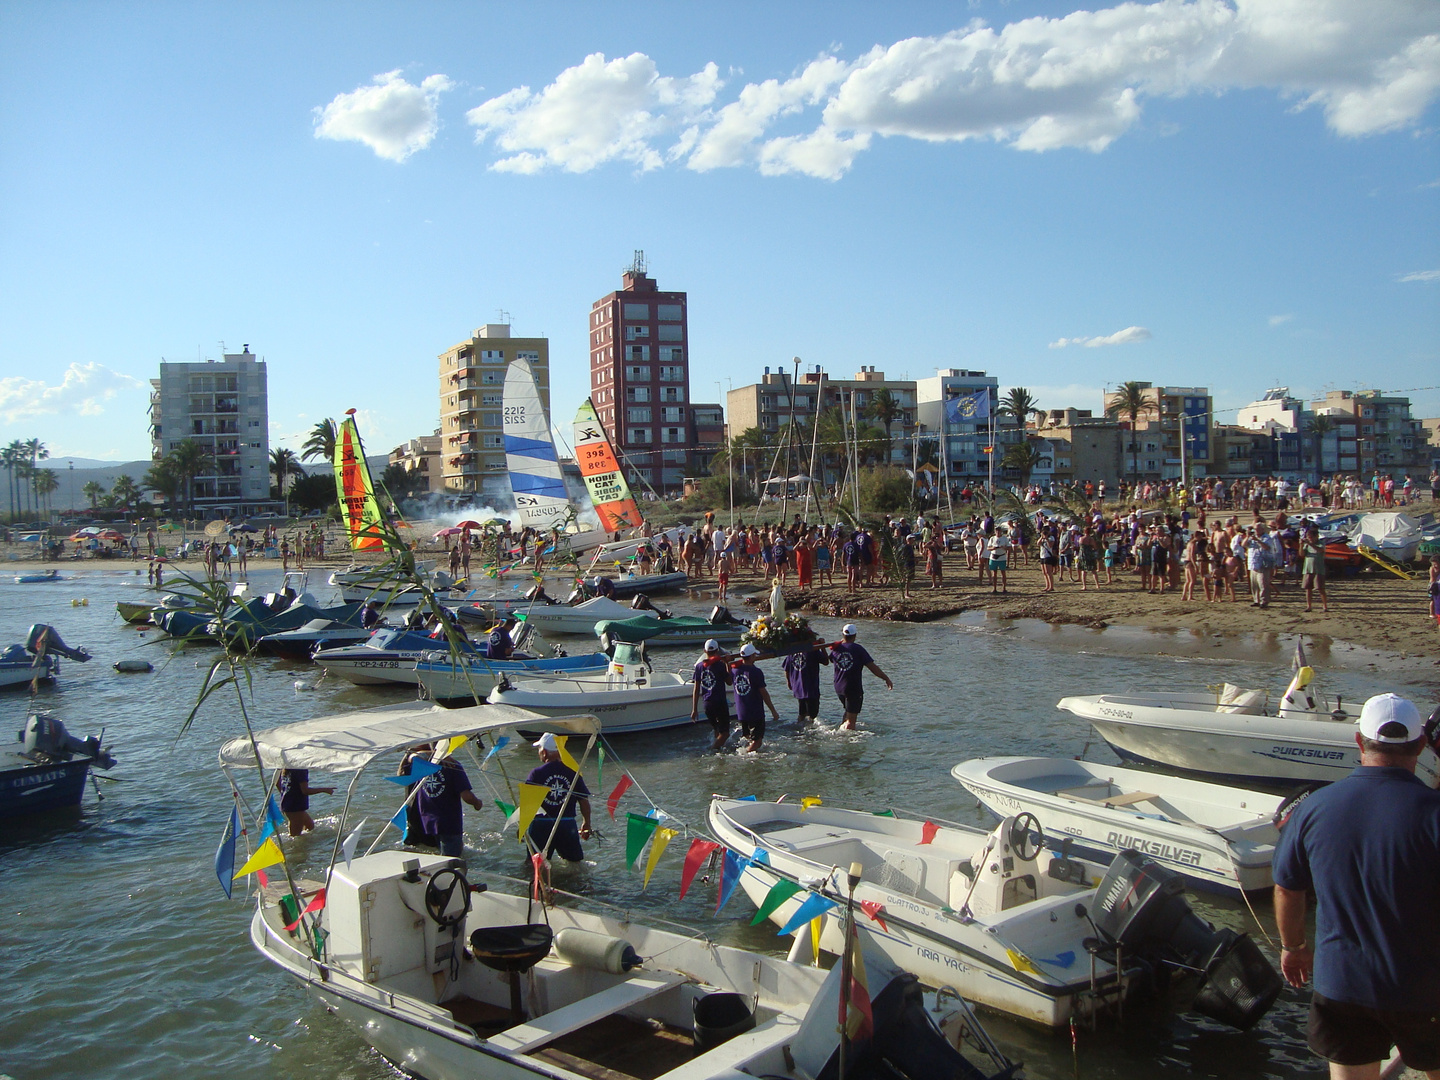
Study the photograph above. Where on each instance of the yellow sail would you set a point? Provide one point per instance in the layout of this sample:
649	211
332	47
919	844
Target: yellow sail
614	504
358	507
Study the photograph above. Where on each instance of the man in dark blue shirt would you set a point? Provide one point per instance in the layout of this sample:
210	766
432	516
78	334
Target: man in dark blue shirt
1369	846
802	672
711	677
751	697
557	812
498	645
439	800
850	659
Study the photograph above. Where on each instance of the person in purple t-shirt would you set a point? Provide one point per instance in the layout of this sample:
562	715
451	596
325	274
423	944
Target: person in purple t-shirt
751	697
850	660
802	672
557	812
712	676
439	804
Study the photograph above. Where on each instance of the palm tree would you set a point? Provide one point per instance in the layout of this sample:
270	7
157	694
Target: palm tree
1020	404
1130	401
37	453
283	463
1318	426
1022	457
47	482
12	457
92	491
161	479
125	491
886	408
321	443
188	460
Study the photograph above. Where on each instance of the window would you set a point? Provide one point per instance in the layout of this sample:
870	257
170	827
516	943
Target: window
672	415
802	401
490	419
492	356
672	435
708	417
637	435
639	394
633	332
638	414
671	374
491	398
533	357
672	393
640	312
637	352
638	374
491	378
671	332
673	455
643	474
669	312
673	353
253	423
493	442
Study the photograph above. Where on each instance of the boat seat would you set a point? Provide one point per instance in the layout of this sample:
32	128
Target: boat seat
1129	798
529	1036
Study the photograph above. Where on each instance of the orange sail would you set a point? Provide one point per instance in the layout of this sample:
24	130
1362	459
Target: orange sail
358	505
614	504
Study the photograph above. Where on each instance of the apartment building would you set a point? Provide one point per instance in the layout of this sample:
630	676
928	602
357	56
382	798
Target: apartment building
1388	438
964	443
1174	413
420	458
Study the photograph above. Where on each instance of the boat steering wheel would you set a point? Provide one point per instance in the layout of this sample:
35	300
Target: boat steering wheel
1020	830
437	897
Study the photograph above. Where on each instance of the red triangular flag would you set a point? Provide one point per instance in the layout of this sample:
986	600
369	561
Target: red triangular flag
315	905
264	881
927	832
620	789
871	908
700	850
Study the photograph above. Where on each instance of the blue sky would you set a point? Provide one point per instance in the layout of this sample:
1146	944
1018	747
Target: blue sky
1186	192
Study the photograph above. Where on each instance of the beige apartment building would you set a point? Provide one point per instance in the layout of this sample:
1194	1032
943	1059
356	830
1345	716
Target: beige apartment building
472	386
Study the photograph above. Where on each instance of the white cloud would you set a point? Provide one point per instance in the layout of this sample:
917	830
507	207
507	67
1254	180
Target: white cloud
390	116
1128	336
1078	82
81	391
1280	320
1425	276
595	112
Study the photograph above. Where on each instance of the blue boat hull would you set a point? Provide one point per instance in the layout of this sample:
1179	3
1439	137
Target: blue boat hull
35	789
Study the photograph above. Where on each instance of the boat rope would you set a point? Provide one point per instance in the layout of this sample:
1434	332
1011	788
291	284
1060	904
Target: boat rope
1246	897
664	815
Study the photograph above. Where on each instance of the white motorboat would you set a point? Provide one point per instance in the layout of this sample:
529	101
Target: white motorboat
618	551
1231	736
473	677
387	656
994	916
453	981
38	658
581	618
1221	838
627	697
1393	533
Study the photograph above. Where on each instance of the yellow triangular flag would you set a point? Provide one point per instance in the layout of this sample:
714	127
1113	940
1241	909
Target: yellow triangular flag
565	756
531	796
267	854
457	742
815	925
809	801
657	848
1020	962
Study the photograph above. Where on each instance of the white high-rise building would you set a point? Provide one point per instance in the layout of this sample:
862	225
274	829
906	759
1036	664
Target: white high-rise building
223	406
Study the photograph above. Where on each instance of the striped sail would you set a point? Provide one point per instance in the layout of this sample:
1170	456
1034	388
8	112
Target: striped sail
614	504
530	452
356	493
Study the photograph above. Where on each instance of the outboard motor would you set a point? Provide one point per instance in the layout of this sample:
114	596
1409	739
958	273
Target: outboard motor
577	594
1141	906
720	614
641	602
538	595
45	739
46	639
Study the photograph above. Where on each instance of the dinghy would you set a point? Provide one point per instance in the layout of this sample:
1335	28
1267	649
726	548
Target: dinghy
580	618
473	678
387	656
1043	937
651	584
628	697
39	578
452	980
677	630
1220	838
38	658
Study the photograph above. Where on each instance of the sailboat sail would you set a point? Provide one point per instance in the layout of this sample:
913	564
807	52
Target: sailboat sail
530	452
358	506
596	457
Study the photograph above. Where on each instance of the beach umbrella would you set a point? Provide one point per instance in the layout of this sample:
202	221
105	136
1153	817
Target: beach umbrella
468	525
110	534
454	530
87	532
494	521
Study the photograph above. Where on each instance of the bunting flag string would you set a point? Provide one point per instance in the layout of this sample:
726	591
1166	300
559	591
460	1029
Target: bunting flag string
638	829
500	744
781	891
510	810
814	906
700	850
733	866
419	769
274	820
351	842
315	905
875	912
532	796
600	767
927	832
399	819
225	853
267	854
658	845
566	757
809	801
815	926
859	1019
614	801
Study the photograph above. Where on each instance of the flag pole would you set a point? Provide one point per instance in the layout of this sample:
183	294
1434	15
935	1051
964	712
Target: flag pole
847	967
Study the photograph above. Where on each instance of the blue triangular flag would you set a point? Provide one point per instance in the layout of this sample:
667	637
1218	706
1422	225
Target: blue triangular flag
761	857
500	744
419	769
399	819
746	798
730	871
814	906
274	820
225	853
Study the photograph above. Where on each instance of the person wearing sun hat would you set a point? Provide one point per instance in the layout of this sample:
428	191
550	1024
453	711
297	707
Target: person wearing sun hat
557	812
1369	847
850	659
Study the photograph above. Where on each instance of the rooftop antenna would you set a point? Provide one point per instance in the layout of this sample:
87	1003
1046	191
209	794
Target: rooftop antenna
503	316
637	263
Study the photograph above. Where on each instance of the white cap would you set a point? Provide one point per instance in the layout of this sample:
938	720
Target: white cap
1384	709
848	630
748	650
546	742
712	645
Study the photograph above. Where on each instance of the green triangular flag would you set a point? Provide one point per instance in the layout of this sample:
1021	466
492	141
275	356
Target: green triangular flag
882	813
781	891
600	757
505	807
638	830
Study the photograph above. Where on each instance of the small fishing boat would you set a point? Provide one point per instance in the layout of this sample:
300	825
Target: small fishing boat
300	643
38	578
578	618
485	611
676	630
46	769
629	584
387	656
451	980
37	659
1044	937
628	697
1220	838
243	628
473	678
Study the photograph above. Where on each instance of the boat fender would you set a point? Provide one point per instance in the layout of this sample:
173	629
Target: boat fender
600	952
132	666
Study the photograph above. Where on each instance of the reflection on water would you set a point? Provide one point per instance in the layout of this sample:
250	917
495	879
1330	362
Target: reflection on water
120	944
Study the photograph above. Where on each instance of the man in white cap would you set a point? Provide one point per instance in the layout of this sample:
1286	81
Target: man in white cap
751	697
557	812
850	660
1369	846
711	677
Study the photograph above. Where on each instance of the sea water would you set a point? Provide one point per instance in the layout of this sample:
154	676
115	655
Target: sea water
121	957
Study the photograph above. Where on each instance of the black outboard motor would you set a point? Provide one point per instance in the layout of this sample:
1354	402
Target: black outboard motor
641	602
539	595
45	740
1141	906
46	639
720	616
